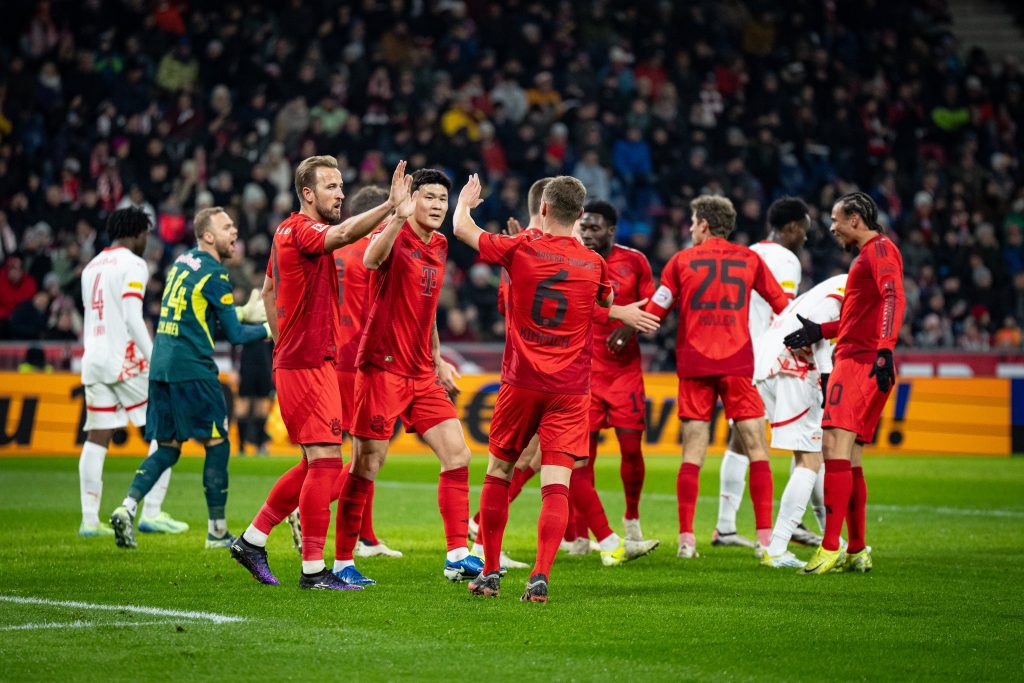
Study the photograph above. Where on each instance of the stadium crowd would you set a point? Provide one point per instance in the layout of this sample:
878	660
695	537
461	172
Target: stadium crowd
173	107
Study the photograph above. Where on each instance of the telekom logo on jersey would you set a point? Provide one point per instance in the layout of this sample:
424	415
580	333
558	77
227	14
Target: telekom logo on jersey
428	278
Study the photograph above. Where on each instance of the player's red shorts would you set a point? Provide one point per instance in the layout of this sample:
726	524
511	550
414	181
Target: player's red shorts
310	403
381	397
618	402
697	397
854	402
347	387
559	421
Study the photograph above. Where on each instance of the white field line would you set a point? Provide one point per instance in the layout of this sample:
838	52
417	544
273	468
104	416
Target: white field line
78	624
668	497
152	611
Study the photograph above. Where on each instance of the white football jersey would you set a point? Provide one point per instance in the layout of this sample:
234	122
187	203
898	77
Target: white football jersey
113	277
785	268
821	304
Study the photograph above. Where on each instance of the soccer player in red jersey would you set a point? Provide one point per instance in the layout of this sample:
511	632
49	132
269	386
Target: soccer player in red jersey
862	379
400	373
545	369
354	301
617	397
303	279
711	281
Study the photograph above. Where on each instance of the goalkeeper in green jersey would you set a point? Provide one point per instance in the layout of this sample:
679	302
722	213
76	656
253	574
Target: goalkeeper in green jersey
185	397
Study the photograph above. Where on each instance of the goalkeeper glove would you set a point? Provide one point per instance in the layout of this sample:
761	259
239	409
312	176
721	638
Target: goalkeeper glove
884	371
253	311
808	334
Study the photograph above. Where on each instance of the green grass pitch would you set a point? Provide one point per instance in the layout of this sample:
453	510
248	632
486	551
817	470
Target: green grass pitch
943	603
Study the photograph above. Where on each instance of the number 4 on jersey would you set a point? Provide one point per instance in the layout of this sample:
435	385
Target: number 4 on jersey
97	297
174	295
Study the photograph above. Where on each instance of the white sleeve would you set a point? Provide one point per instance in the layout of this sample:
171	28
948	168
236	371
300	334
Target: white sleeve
136	325
789	278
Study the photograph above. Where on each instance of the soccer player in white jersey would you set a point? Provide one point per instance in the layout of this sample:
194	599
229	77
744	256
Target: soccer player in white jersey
788	221
791	382
115	365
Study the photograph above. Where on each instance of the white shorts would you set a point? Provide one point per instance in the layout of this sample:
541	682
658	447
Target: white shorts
792	406
110	406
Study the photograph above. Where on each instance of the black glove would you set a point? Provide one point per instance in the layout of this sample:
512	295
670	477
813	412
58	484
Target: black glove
884	371
809	334
824	389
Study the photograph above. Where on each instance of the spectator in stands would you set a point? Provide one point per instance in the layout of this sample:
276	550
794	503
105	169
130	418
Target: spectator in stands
30	318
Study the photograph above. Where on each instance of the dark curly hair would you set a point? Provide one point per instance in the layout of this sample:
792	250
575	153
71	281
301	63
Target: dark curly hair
603	209
430	176
127	223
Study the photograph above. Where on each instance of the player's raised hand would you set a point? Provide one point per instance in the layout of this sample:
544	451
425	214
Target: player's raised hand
407	207
401	185
447	373
513	227
469	197
636	317
808	334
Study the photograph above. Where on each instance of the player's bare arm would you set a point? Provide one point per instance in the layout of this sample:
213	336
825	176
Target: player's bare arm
446	372
269	297
359	226
466	228
380	245
634	318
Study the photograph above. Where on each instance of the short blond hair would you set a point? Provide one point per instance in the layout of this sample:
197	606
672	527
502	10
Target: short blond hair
564	196
201	224
718	211
305	174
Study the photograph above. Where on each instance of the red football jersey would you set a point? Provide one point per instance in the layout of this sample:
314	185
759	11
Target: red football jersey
404	293
504	281
306	289
712	283
554	284
353	300
873	309
631	279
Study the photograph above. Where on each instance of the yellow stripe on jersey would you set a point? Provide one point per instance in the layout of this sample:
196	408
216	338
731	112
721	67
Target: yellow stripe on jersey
199	306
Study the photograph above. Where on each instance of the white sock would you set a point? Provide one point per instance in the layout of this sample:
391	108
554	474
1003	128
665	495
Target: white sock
90	481
341	564
313	567
154	500
477	550
458	554
792	465
732	480
131	505
818	499
791	509
610	543
217	527
254	536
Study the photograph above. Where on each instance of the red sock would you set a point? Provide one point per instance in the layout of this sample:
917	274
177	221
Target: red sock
632	471
519	479
349	517
570	533
762	493
687	487
838	487
366	532
315	506
493	516
453	501
283	498
340	482
554	514
476	519
587	502
857	510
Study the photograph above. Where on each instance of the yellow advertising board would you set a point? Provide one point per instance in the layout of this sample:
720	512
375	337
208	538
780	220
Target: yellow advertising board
42	414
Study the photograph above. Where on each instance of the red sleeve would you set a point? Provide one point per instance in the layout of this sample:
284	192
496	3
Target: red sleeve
270	264
770	290
667	293
645	283
604	286
500	248
601	314
830	330
309	237
885	260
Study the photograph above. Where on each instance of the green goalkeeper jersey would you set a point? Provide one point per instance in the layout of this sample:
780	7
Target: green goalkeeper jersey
197	303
